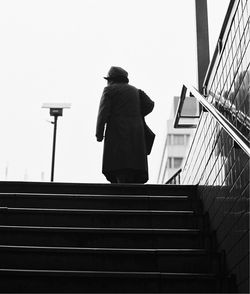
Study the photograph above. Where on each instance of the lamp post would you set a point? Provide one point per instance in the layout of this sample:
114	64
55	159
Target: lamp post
56	110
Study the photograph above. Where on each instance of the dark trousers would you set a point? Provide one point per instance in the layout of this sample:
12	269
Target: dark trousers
126	176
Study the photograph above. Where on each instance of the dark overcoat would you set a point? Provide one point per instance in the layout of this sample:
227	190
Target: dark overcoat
121	111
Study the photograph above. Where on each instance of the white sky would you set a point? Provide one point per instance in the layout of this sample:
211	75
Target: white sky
59	50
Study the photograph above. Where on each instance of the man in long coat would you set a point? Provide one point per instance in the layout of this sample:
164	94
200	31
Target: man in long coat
121	111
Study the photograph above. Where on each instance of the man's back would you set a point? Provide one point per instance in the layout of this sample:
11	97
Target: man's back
124	99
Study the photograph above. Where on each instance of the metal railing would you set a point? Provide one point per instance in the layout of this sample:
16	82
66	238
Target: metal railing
235	134
175	179
227	83
179	116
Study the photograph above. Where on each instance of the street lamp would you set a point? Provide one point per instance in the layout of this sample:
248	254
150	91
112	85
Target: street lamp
56	109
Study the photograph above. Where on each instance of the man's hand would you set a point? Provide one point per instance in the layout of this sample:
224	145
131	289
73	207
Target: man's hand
99	139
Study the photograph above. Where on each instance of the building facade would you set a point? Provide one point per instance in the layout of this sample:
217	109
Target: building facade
177	141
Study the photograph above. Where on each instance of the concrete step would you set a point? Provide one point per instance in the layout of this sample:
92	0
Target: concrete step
44	281
109	259
87	201
102	237
97	189
100	218
76	238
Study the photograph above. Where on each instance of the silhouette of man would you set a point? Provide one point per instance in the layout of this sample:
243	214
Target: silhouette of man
121	111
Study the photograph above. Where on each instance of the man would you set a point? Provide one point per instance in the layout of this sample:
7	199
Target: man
122	110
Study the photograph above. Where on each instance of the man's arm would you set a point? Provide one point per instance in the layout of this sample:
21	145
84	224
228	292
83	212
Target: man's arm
103	115
147	104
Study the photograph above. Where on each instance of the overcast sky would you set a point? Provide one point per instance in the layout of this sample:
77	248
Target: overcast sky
59	51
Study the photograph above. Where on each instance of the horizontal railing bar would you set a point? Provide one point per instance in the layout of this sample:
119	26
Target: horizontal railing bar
189	116
186	126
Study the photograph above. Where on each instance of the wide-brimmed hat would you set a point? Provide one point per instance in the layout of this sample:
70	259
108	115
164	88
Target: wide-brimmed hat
116	71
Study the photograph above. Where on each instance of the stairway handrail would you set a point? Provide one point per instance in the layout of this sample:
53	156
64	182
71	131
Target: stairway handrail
174	177
235	134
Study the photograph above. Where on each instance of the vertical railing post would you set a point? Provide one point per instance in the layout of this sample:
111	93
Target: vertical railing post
202	37
54	148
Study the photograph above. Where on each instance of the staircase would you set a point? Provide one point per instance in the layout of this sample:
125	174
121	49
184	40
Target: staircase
72	238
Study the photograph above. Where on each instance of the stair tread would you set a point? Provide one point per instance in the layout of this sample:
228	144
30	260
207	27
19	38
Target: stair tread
27	186
96	211
68	195
108	273
104	249
88	229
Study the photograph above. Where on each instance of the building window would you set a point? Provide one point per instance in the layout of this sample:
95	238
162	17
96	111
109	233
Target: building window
178	139
169	162
169	140
177	162
174	162
187	139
